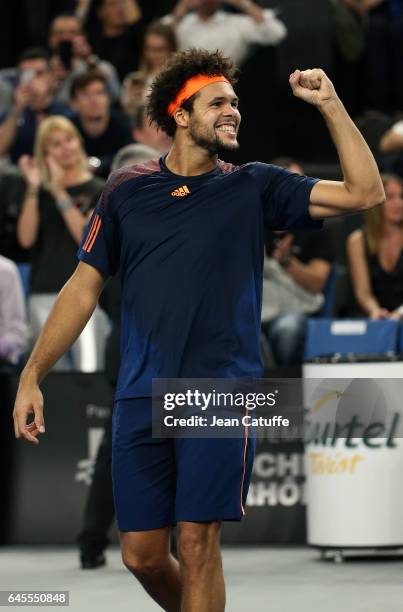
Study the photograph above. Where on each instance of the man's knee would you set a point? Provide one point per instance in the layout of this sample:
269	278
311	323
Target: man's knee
142	558
198	543
146	565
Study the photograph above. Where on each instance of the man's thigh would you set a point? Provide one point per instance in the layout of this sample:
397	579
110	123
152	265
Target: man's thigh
143	469
213	477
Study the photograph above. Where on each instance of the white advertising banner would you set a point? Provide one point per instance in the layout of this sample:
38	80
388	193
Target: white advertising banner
354	454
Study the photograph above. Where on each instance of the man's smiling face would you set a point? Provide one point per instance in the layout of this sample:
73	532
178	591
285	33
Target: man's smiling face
215	118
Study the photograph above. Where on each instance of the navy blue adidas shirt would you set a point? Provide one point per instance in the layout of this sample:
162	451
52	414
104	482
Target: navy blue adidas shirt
190	251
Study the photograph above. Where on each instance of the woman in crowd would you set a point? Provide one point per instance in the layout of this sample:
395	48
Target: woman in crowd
159	44
59	198
375	256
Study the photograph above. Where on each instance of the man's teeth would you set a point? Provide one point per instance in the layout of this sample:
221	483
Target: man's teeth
226	128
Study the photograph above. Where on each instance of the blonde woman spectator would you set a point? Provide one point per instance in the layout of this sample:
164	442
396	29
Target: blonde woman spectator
375	256
13	328
60	194
59	199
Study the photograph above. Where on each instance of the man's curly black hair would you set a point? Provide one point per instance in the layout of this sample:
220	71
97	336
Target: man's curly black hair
180	67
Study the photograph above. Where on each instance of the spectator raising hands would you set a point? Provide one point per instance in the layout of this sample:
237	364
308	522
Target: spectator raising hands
33	101
203	24
72	55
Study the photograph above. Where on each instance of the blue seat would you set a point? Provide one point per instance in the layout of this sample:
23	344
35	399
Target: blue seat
328	294
350	336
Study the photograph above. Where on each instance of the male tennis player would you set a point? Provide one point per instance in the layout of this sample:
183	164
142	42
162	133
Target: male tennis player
186	233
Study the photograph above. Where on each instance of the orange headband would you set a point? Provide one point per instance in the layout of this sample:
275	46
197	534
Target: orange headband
191	87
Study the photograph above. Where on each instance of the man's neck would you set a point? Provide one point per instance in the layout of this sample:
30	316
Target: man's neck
189	161
94	127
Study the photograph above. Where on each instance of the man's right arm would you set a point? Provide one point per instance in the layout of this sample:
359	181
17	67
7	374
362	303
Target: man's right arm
68	317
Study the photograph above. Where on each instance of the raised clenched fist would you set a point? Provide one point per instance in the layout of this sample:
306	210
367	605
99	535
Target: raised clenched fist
312	86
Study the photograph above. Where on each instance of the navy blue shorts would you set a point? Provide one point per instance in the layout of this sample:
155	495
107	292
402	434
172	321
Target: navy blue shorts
157	482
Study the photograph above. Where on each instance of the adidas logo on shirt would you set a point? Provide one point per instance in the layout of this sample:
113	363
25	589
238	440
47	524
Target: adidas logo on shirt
181	191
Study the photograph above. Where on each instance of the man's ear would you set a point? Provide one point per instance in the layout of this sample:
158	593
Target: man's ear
181	117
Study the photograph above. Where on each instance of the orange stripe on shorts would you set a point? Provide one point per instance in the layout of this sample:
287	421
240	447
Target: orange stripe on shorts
244	466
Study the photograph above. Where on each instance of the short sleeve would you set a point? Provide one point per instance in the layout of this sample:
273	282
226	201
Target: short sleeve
100	245
285	197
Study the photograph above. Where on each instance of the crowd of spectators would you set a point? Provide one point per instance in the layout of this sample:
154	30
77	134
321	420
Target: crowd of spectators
76	96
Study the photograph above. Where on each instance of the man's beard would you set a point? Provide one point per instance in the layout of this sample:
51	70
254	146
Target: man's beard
212	144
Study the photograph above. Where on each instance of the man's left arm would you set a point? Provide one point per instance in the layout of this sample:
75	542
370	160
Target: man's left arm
361	187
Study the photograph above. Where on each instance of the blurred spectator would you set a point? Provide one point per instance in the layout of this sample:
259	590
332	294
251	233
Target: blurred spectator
82	9
391	145
12	190
392	140
132	93
72	55
133	154
24	23
288	162
59	199
13	328
159	43
375	256
384	51
201	23
295	274
147	133
103	129
117	36
33	101
349	54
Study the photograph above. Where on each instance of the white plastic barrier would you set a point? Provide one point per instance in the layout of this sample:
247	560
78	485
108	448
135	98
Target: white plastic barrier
354	473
